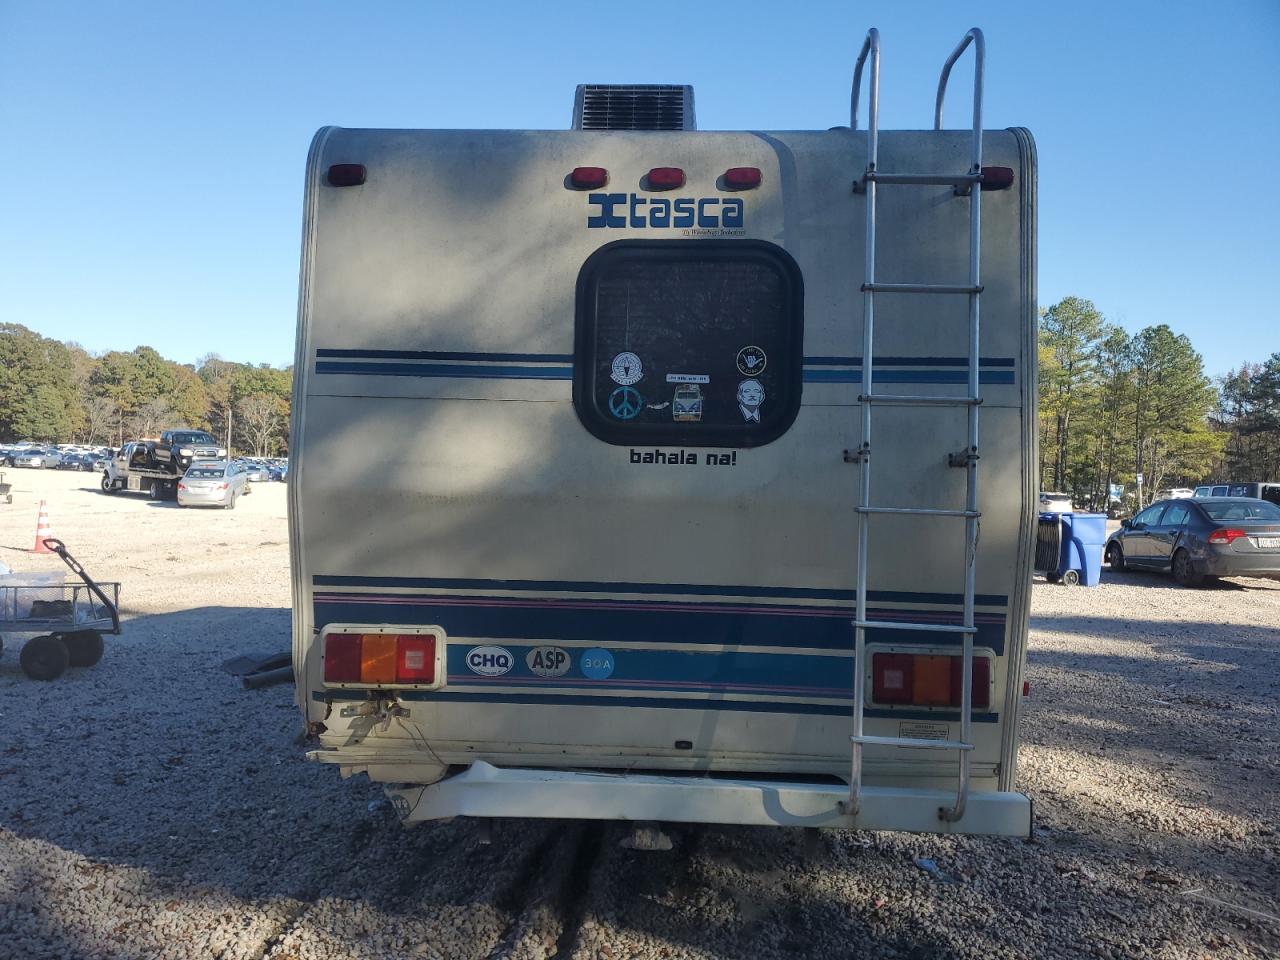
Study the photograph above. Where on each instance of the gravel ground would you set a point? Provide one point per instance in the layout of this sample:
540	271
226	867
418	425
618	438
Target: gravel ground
150	807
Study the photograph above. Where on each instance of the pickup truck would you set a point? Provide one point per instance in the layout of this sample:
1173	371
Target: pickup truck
176	449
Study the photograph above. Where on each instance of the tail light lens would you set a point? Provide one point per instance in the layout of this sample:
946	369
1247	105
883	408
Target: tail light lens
380	659
588	178
1226	535
182	486
665	178
927	680
742	178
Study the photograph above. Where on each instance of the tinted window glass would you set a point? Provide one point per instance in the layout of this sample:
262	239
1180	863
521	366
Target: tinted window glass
1175	516
204	473
1242	510
689	342
1150	516
1241	490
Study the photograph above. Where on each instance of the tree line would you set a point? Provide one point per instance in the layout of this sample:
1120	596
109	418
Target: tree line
1114	405
59	393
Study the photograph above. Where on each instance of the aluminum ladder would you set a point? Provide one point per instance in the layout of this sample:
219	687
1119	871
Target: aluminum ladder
964	184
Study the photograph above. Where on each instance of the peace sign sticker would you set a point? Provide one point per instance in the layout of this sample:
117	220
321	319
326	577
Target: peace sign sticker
625	403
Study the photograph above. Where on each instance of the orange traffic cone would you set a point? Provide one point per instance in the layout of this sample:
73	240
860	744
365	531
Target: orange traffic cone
42	530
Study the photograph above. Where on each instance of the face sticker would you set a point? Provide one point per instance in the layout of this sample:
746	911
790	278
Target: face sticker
686	405
489	661
549	661
627	369
625	403
750	396
752	361
597	664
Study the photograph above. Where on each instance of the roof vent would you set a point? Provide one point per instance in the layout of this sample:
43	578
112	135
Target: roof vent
636	106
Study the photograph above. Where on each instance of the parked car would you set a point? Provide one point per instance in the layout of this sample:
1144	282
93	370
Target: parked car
1263	491
72	461
1055	502
40	458
257	471
1195	538
212	483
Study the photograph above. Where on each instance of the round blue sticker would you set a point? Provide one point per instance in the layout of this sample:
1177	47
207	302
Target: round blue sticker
597	664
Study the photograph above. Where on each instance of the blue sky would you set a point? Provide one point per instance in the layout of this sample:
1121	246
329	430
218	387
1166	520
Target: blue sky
155	149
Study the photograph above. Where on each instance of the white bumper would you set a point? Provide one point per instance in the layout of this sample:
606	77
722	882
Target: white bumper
484	790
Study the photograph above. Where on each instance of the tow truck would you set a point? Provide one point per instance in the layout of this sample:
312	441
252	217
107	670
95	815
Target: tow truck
136	468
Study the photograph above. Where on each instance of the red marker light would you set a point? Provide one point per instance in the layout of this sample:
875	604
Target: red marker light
588	178
742	178
997	178
665	178
347	174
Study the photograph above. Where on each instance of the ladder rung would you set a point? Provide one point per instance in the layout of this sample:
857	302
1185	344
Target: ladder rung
910	401
905	625
920	288
920	511
914	743
925	179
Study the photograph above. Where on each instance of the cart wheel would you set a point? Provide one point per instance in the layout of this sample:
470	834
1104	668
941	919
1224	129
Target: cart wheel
1070	578
84	647
44	658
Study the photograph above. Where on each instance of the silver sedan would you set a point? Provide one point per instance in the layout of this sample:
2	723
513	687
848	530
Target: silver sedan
212	483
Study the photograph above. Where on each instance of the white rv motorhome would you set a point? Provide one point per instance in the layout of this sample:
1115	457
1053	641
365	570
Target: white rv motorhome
648	473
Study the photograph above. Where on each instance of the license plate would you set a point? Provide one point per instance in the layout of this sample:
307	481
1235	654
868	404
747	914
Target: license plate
1269	543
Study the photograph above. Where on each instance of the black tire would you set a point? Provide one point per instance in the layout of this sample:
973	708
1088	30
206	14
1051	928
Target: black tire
107	485
1184	572
1052	577
44	658
1115	558
231	501
156	490
84	647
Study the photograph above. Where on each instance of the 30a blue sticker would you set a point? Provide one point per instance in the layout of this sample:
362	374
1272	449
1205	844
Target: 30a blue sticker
597	664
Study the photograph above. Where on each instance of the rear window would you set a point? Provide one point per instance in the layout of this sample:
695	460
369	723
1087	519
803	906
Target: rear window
1242	490
689	342
204	473
1242	510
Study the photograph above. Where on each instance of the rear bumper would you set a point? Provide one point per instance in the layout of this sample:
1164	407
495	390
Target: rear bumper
484	790
186	500
1237	565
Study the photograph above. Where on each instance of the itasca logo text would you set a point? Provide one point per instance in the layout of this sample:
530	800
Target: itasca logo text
632	210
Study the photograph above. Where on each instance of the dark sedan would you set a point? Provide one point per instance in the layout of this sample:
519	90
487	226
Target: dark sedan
1204	537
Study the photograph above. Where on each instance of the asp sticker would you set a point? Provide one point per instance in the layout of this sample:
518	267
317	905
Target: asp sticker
597	664
549	661
750	396
752	361
627	369
686	404
490	661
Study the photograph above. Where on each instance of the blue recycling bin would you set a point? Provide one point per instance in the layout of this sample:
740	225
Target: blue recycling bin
1069	547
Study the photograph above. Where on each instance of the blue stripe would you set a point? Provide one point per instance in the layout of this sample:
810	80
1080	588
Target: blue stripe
907	376
638	623
689	589
484	371
447	355
658	703
909	361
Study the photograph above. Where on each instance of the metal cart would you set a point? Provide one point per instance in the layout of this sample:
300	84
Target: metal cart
6	489
70	618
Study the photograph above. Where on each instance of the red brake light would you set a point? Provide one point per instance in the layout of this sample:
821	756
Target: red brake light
342	658
742	178
927	680
346	174
415	658
1226	535
665	178
588	178
182	486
